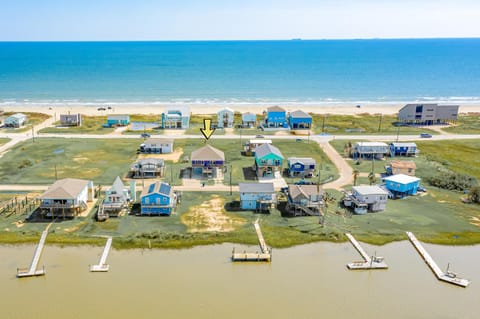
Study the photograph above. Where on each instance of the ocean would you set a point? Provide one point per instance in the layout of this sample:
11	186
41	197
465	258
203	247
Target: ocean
236	72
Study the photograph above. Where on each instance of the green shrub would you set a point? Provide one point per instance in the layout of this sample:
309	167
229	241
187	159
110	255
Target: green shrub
453	181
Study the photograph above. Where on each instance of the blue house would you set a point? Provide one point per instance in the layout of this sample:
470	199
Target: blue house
276	117
402	185
118	120
301	166
257	196
403	149
157	198
300	120
249	120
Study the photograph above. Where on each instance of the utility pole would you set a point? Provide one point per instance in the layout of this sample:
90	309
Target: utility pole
380	124
230	179
33	136
398	132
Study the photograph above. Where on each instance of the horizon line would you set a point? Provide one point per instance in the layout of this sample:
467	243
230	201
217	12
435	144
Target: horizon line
245	40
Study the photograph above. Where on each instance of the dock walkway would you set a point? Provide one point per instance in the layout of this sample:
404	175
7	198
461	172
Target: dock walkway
264	255
449	277
102	264
32	271
369	262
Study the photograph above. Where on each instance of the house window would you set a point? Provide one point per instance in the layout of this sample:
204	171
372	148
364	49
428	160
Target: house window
147	200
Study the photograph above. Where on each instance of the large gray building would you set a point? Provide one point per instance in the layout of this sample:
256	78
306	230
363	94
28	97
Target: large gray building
428	114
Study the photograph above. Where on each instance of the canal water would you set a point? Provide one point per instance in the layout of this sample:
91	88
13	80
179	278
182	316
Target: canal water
309	281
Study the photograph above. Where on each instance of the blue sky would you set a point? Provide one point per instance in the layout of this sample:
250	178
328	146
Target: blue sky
37	20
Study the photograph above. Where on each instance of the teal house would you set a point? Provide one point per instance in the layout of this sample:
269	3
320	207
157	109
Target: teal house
157	198
118	120
268	161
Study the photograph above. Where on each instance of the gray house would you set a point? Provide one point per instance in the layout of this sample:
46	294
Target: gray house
71	119
148	168
428	114
370	150
366	198
157	145
304	200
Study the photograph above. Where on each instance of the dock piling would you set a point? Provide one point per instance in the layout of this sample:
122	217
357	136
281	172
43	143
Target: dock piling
32	271
369	262
102	264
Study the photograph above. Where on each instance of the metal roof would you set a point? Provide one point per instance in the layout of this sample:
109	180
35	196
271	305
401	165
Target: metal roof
305	190
369	190
154	140
370	144
303	160
403	144
402	179
207	152
300	114
266	149
275	109
67	188
256	188
119	117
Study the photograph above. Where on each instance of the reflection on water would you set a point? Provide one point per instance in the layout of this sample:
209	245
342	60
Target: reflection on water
308	281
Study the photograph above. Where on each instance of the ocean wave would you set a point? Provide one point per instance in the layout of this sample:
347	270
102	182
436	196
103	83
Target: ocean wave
238	101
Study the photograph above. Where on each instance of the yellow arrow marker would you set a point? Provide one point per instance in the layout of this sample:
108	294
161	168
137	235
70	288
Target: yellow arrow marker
207	130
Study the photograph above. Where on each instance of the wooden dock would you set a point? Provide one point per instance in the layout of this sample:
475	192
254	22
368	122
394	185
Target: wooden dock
447	276
368	262
102	264
32	271
264	255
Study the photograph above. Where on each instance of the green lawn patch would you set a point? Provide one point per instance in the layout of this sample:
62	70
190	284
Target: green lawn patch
466	124
4	140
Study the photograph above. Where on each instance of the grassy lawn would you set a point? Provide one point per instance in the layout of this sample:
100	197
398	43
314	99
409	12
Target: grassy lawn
90	125
461	156
100	160
241	164
466	124
362	123
32	120
4	140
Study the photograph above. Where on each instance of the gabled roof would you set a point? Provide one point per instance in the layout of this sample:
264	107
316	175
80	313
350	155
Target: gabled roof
183	110
300	114
226	109
266	149
305	190
256	188
207	152
369	190
67	188
303	160
118	186
275	109
403	164
157	187
248	115
402	179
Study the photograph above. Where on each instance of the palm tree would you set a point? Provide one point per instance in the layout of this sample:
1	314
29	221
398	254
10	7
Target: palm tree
356	173
372	178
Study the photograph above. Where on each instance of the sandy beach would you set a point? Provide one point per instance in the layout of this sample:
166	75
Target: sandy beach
345	109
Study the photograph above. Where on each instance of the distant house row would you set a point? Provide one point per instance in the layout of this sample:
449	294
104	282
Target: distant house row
377	150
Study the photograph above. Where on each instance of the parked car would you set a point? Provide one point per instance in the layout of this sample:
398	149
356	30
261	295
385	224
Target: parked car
145	135
259	136
101	108
425	135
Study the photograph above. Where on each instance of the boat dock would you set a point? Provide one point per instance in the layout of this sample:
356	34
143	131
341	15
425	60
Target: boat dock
448	276
102	264
32	271
264	255
368	262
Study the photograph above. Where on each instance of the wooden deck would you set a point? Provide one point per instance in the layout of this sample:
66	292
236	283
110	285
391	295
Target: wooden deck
448	276
369	262
102	264
264	255
32	271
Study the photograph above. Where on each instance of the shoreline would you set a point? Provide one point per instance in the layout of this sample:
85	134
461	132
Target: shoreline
210	108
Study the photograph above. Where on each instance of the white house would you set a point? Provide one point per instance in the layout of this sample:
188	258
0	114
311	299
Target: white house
16	120
225	118
157	145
